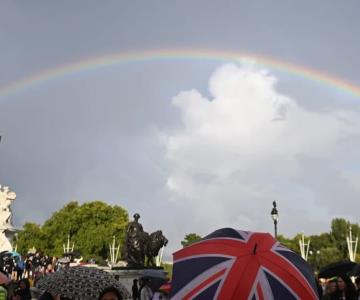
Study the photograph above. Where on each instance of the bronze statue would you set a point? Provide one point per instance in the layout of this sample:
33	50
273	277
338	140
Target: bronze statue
134	249
154	243
139	244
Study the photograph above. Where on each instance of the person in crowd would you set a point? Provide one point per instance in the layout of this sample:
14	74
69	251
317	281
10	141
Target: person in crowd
146	292
110	293
345	289
135	290
35	263
357	284
23	293
28	266
19	267
330	289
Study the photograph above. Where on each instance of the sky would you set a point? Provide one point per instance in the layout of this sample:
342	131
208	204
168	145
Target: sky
191	142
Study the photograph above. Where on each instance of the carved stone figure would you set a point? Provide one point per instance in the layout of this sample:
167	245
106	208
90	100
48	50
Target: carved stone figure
6	226
139	244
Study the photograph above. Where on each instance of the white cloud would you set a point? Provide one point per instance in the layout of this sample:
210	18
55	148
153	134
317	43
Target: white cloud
249	145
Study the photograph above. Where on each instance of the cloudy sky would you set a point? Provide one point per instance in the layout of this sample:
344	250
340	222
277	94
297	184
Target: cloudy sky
192	143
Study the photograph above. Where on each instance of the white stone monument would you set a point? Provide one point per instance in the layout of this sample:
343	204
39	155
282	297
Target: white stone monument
7	229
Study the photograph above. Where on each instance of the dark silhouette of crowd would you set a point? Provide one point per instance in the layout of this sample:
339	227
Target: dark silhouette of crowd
342	288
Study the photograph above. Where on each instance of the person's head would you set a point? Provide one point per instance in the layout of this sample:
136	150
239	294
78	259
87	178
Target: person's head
345	286
24	284
135	281
136	217
341	284
331	286
110	293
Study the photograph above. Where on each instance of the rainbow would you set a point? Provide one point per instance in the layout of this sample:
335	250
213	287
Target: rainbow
174	54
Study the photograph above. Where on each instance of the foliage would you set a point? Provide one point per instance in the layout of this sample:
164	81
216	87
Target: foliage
91	226
168	268
325	247
31	236
190	238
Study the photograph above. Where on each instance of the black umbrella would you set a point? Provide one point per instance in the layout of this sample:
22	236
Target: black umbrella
156	278
355	271
80	283
336	269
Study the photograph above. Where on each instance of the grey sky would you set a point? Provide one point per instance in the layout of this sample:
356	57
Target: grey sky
98	134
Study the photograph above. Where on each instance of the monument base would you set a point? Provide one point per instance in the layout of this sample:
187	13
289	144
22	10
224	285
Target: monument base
127	275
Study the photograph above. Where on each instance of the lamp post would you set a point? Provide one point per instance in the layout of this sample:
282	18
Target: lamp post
315	254
275	217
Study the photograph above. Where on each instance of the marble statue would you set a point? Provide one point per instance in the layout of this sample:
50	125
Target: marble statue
6	227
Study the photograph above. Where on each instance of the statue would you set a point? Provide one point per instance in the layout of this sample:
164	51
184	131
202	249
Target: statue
154	243
6	226
6	198
134	249
139	244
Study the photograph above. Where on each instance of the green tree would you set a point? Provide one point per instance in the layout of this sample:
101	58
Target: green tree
292	244
91	226
339	229
190	238
31	236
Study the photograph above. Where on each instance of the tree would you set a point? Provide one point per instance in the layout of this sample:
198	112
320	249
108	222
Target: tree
339	229
190	238
91	226
31	236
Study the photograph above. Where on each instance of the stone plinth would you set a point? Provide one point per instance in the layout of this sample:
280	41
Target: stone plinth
126	275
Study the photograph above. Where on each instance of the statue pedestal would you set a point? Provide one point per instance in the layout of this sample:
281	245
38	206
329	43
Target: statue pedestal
127	275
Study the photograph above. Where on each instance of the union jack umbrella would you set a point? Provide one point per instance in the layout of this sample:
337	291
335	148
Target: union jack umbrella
230	264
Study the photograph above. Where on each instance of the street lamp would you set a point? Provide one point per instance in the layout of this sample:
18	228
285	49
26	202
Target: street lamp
275	217
315	254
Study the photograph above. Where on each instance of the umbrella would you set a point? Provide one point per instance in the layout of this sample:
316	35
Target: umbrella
80	283
166	287
156	278
336	269
4	254
154	273
355	271
229	264
14	254
4	279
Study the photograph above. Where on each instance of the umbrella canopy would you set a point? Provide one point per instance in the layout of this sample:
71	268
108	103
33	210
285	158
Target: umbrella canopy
229	264
166	287
156	278
154	273
14	254
80	283
355	271
4	279
336	269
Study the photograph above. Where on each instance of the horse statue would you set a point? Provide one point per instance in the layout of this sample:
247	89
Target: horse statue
153	243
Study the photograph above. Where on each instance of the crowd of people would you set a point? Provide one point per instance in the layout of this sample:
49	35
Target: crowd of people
341	288
23	273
